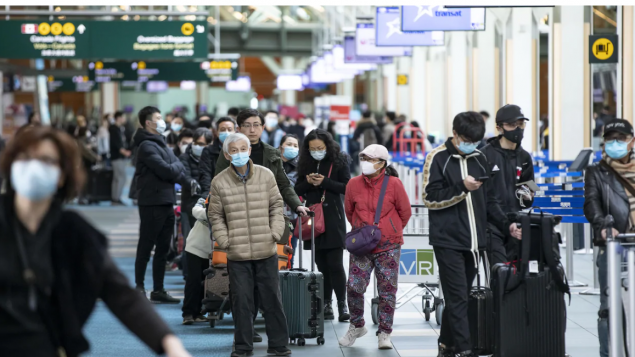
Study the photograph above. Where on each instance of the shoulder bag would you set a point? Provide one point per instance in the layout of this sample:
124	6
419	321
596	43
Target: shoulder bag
363	240
318	220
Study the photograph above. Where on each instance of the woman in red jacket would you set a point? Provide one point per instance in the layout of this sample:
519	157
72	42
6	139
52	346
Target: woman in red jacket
362	195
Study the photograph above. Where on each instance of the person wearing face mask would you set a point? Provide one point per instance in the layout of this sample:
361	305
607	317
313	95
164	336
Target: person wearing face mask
185	138
289	150
272	134
458	194
362	195
204	121
173	132
225	126
157	170
245	211
54	265
510	165
323	174
608	189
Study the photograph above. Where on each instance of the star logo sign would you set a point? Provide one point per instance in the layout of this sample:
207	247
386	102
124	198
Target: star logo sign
394	27
426	10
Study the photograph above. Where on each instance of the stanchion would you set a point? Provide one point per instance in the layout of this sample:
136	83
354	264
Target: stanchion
615	299
587	241
631	297
596	281
568	228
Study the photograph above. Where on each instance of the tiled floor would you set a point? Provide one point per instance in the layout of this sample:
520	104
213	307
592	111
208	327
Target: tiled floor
412	336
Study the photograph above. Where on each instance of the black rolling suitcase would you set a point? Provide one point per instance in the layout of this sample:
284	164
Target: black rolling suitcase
99	185
303	299
529	304
480	310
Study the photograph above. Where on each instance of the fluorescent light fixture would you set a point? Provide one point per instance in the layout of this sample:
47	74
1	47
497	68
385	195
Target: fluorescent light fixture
289	82
188	85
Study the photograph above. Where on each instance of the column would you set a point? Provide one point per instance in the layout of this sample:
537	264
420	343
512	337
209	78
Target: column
346	88
109	97
403	91
418	86
484	85
390	86
456	76
628	37
436	98
567	127
288	97
202	95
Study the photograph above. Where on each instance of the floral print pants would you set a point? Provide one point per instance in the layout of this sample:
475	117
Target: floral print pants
386	266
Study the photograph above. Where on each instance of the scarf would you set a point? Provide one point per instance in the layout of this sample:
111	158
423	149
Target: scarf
627	171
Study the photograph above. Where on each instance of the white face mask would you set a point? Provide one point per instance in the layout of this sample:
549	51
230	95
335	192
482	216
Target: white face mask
368	168
161	126
183	148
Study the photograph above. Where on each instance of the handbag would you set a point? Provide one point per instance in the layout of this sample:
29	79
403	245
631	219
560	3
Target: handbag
363	240
317	221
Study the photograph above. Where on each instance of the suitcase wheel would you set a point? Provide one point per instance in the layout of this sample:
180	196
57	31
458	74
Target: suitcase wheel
426	309
320	340
301	341
374	308
438	313
212	323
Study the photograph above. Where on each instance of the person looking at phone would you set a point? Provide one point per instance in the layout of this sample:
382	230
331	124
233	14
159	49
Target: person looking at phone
511	165
460	208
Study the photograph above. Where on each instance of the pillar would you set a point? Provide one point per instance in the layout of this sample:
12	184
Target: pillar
456	76
202	95
346	88
288	97
403	91
418	86
484	79
436	98
390	86
628	75
110	97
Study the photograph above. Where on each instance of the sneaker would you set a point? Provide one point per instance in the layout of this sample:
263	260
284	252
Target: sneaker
242	354
188	320
445	351
467	353
201	318
328	311
279	351
353	334
257	337
163	297
384	341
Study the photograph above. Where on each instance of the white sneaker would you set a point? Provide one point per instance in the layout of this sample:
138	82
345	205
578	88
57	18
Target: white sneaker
384	341
353	334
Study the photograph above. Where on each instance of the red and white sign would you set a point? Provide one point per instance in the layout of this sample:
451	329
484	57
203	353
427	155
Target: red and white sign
340	112
29	29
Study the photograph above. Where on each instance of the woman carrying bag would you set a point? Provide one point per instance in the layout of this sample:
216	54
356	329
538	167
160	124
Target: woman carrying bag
362	198
322	178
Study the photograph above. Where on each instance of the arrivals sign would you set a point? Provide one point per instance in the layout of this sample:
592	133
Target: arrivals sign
104	39
141	71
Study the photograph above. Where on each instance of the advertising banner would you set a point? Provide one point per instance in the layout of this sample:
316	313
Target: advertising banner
439	18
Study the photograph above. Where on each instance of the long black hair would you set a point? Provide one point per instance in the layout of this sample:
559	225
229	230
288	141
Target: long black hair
390	170
307	163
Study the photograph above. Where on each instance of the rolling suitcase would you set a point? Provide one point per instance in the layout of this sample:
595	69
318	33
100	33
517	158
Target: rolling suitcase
480	310
99	185
303	299
216	298
529	304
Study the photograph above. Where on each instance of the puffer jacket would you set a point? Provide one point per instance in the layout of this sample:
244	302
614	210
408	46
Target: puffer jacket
362	195
246	215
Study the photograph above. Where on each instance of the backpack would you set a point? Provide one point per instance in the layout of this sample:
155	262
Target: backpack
369	137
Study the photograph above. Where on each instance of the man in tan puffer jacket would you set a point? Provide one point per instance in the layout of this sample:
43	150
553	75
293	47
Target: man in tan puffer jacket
245	210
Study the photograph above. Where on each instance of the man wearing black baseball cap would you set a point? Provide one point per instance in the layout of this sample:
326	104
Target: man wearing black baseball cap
608	188
511	166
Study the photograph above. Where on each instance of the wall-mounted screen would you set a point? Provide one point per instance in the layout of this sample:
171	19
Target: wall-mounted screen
350	55
365	43
289	82
388	31
439	18
242	84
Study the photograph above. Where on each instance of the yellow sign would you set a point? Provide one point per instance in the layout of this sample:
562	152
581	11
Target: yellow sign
99	65
44	29
51	78
68	29
603	48
141	65
187	29
402	79
56	28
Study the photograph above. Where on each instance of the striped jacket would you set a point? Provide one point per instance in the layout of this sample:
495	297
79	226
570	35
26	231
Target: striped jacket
458	218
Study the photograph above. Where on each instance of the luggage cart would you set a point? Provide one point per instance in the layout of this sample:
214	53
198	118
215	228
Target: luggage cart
418	266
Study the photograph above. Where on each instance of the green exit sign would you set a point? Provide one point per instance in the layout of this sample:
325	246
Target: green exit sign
104	39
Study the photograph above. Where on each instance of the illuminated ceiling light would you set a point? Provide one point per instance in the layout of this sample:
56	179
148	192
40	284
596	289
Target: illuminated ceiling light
122	7
211	20
180	8
137	17
114	9
162	17
288	18
230	8
238	15
302	13
193	8
61	17
125	17
58	9
318	8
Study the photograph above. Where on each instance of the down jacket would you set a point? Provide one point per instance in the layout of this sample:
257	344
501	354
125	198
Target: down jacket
362	196
246	215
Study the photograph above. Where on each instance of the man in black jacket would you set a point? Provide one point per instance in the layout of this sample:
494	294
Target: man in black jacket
119	155
368	131
225	126
606	192
157	172
191	159
460	210
510	165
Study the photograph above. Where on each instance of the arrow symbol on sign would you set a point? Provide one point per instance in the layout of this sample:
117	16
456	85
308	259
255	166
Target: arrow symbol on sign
81	28
200	28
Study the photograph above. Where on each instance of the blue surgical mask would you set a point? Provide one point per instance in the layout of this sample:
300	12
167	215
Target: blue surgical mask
318	155
223	135
241	159
176	127
34	179
616	149
197	150
467	148
290	152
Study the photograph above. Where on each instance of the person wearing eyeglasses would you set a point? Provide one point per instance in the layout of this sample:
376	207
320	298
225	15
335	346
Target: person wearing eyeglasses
607	191
510	165
457	192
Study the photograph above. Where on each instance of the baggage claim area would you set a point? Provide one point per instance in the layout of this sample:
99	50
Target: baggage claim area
394	77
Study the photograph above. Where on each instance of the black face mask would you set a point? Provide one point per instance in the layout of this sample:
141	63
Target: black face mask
515	136
205	124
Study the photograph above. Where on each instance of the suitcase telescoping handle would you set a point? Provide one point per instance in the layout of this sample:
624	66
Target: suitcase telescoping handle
312	215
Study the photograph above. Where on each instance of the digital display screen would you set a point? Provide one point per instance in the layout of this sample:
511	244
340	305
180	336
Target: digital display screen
289	82
242	84
439	18
388	31
350	55
365	43
320	74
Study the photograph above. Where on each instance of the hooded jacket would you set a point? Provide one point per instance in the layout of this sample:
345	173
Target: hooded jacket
365	124
508	168
191	164
157	170
246	215
458	217
207	165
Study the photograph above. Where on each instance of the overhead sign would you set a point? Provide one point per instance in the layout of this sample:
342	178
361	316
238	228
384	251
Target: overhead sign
388	31
75	84
350	55
402	79
439	18
603	48
142	71
365	43
104	39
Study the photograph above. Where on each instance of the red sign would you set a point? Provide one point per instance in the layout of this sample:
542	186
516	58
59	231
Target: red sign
340	112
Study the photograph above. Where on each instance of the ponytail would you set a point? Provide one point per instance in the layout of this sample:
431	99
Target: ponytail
391	171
